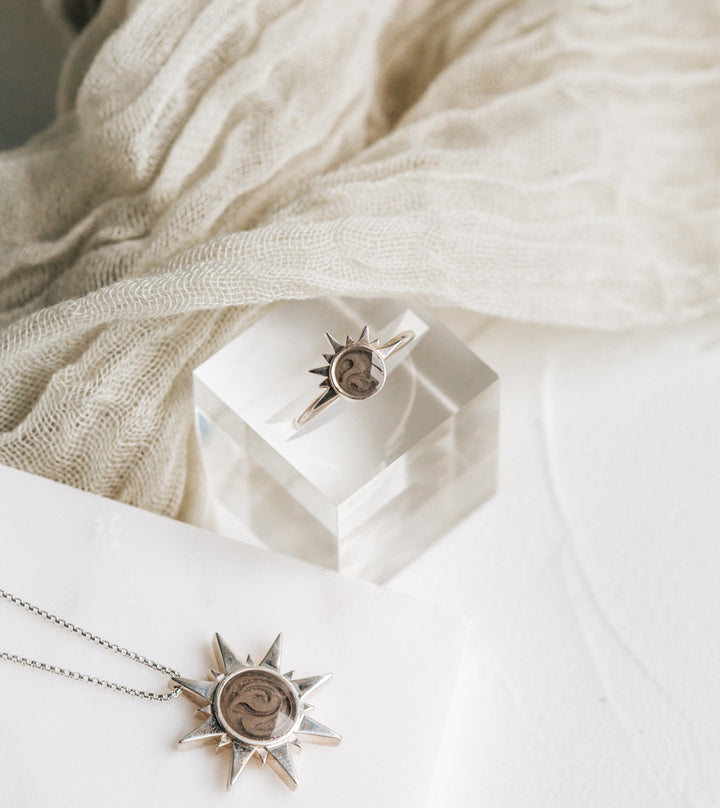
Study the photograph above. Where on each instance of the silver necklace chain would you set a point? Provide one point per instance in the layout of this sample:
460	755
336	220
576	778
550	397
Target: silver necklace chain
93	680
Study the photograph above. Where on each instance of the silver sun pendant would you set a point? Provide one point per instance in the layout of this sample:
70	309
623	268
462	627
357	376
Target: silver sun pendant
256	711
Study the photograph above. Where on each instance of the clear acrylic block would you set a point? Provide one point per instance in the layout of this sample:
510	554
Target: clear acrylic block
365	485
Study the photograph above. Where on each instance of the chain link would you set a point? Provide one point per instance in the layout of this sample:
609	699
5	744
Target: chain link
88	635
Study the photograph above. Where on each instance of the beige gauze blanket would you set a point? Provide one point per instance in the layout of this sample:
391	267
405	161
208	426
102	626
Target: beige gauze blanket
548	161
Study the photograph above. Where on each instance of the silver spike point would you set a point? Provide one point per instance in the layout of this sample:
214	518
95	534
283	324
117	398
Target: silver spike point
272	658
210	730
241	755
334	344
205	690
226	656
307	686
282	762
328	396
318	733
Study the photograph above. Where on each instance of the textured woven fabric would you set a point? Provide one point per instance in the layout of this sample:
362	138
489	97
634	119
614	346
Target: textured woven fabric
549	161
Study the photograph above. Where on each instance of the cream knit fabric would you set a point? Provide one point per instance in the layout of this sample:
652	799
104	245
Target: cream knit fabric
553	161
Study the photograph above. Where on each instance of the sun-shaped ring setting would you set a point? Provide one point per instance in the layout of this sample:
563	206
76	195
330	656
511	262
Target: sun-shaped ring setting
256	711
354	371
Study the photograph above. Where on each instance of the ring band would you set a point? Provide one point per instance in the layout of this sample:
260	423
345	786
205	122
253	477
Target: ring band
355	370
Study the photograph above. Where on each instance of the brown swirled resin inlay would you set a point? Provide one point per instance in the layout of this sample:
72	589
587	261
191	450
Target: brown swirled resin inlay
358	372
258	705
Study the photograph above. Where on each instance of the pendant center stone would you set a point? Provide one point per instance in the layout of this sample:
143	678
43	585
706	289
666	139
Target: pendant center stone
257	705
358	372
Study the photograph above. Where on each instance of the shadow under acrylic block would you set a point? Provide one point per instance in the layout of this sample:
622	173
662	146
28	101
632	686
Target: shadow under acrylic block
364	486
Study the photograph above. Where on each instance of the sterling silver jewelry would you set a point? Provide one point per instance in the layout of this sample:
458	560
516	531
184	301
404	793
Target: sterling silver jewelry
252	709
257	711
354	371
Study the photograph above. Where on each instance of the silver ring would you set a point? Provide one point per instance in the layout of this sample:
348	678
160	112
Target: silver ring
355	370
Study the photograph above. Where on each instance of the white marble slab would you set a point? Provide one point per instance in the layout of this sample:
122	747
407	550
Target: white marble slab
163	589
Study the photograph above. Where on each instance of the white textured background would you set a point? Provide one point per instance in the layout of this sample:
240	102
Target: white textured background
593	577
